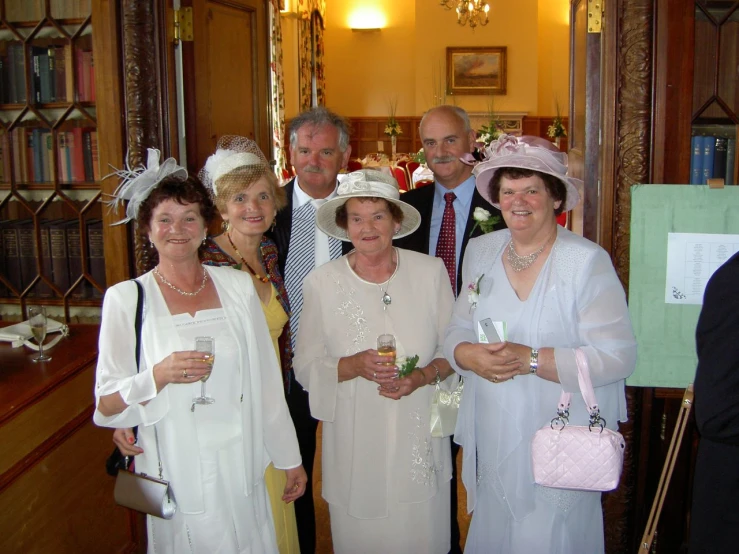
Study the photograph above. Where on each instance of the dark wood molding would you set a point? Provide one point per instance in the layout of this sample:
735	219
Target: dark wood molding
145	82
627	155
633	119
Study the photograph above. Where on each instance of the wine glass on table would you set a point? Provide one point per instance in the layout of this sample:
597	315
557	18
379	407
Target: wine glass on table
37	321
206	345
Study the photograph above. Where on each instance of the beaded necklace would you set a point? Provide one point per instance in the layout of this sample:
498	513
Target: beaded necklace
264	279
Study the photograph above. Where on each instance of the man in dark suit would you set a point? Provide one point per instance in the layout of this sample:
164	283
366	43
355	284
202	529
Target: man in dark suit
319	149
714	522
447	136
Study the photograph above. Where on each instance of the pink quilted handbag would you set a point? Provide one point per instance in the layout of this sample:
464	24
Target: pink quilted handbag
586	458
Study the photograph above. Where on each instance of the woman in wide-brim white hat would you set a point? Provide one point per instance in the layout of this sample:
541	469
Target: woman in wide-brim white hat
385	477
554	292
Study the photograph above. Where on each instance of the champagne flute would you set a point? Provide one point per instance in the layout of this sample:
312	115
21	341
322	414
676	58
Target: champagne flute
206	345
386	347
37	321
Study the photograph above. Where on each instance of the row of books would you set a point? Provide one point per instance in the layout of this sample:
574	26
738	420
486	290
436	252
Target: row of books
61	256
33	157
49	76
33	10
712	158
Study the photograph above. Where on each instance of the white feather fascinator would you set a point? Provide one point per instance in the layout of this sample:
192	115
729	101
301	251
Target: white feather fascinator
137	183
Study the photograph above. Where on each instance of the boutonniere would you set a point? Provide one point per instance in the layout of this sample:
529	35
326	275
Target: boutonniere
484	220
473	291
406	365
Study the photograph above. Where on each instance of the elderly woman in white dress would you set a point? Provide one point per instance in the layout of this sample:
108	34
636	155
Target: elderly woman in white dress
556	292
213	454
386	479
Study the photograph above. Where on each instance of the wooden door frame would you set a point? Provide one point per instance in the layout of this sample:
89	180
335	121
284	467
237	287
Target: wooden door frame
626	159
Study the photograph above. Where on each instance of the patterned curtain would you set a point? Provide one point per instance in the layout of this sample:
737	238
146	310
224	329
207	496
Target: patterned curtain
305	78
277	78
318	44
310	53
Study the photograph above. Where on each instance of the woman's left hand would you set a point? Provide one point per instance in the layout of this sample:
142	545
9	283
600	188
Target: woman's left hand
403	386
297	479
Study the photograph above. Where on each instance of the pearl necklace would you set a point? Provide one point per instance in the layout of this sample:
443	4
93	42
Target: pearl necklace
176	289
519	263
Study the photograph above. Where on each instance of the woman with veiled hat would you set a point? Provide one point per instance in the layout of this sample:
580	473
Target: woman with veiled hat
555	292
213	449
385	478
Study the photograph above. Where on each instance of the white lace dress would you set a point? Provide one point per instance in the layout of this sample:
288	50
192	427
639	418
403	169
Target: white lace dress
385	478
577	301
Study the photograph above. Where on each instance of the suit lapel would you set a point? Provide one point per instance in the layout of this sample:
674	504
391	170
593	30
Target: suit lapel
283	226
426	207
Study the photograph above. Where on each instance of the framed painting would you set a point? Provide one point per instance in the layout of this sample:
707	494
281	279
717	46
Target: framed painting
476	70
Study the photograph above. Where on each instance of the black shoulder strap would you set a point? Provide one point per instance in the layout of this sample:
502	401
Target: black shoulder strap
138	321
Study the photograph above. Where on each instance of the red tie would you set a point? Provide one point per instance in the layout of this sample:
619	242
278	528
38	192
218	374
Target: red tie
446	247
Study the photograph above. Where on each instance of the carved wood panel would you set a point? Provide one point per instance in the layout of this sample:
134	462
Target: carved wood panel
630	141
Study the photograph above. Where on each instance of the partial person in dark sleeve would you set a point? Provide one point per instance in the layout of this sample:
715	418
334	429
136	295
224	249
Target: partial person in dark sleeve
714	524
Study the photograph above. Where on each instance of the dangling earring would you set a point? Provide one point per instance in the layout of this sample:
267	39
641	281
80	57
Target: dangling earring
225	226
205	238
274	224
397	231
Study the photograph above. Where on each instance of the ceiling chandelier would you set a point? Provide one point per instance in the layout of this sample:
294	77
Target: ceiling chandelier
474	12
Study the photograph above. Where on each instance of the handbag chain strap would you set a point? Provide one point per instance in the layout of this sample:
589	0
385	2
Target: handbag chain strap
588	394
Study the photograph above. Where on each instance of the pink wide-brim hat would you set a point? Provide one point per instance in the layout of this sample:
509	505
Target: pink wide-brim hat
525	153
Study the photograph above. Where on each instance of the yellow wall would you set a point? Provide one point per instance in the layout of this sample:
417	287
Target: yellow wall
406	60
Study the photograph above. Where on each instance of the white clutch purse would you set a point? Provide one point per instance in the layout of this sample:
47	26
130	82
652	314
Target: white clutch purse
444	409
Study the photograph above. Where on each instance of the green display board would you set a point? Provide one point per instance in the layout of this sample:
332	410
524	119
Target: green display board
665	333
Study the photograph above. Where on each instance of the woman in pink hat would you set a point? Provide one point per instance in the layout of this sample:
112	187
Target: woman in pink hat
547	292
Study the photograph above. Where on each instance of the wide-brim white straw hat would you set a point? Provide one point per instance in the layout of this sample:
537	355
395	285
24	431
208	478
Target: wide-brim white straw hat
525	153
362	184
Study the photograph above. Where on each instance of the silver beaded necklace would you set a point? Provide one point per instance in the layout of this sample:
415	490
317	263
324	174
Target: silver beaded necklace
179	290
519	263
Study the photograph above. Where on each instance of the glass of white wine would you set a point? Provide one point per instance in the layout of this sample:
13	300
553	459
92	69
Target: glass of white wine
208	346
386	347
37	321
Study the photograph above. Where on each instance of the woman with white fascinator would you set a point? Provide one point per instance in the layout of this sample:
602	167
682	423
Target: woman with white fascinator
549	292
212	448
386	479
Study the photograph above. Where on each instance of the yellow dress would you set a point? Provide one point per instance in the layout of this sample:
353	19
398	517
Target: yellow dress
284	514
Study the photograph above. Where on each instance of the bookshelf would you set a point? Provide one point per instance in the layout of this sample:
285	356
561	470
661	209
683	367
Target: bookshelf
696	92
60	91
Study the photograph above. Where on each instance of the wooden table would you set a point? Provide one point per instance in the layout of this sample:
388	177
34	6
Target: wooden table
54	493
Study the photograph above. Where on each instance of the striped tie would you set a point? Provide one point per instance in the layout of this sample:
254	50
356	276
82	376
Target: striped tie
301	259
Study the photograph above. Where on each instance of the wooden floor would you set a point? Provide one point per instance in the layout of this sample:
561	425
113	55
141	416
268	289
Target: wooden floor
323	525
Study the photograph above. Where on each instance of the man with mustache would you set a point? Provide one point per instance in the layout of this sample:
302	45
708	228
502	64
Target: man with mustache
446	219
319	149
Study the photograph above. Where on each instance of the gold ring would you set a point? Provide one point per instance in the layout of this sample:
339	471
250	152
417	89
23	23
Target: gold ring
184	373
495	379
375	374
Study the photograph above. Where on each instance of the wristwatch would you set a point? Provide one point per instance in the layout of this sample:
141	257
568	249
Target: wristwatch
534	361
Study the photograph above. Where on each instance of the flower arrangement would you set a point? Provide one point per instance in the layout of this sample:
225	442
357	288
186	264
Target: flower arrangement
484	220
557	129
392	127
420	156
490	132
406	365
473	291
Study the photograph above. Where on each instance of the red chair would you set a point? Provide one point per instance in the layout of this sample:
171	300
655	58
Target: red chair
401	177
411	168
353	165
422	183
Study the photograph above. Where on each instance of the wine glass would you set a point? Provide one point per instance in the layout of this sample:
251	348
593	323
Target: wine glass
386	347
206	345
37	321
